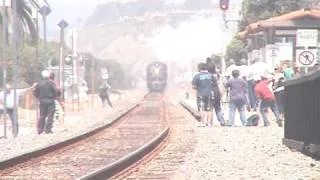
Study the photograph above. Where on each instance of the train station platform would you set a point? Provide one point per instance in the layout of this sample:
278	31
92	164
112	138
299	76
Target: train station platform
90	115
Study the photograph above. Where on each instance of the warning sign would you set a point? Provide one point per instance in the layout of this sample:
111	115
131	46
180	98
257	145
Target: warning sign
306	58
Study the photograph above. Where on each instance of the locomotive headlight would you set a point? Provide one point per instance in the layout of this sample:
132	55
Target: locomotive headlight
157	71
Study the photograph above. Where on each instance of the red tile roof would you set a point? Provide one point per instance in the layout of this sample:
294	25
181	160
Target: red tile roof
271	22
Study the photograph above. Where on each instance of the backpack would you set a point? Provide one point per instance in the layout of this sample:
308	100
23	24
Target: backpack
253	120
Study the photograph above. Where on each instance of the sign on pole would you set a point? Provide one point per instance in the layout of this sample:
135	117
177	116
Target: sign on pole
307	43
307	38
285	52
104	73
306	57
272	52
63	24
256	54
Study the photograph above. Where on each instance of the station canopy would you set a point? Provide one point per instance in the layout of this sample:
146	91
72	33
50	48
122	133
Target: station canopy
282	21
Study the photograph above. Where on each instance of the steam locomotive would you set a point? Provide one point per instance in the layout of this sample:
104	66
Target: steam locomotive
157	76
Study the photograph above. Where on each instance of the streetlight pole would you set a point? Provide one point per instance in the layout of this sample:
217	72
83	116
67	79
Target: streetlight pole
15	59
78	79
37	41
4	64
45	11
92	80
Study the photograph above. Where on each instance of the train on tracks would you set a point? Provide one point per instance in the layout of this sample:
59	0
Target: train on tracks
157	76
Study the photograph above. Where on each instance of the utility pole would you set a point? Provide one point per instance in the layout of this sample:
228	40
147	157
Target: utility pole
38	35
4	64
93	76
15	62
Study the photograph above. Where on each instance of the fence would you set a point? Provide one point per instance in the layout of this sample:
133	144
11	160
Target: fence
302	113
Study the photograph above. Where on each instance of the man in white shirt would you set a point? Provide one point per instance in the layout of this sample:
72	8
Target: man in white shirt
7	100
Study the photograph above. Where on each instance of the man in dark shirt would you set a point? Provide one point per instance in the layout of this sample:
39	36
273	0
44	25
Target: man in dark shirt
104	94
238	97
46	92
217	95
202	82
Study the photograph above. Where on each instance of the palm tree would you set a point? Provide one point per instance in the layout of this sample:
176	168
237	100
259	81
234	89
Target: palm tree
25	21
24	13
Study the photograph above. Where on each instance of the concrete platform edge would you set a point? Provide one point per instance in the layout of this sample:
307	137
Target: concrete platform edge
193	112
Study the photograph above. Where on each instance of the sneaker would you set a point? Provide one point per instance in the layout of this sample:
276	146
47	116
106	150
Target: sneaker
223	124
201	125
49	132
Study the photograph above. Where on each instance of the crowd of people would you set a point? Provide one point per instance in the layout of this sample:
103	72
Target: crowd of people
246	88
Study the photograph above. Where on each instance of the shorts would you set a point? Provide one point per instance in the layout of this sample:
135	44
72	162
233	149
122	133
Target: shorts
204	103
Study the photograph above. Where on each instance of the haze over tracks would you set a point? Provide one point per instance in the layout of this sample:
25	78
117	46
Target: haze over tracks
137	128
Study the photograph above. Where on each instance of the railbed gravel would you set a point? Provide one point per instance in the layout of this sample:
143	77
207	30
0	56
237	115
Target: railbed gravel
90	120
245	153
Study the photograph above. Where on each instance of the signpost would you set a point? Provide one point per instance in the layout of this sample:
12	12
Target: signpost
306	48
62	24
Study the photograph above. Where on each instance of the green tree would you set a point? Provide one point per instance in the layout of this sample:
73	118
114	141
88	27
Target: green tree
235	50
254	10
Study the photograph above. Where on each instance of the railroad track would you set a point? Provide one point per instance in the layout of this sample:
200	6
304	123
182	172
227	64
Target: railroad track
165	161
104	153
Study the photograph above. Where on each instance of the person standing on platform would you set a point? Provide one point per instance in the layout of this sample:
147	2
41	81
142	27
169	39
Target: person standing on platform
279	94
238	97
266	99
202	82
216	91
59	106
104	93
46	92
9	105
288	72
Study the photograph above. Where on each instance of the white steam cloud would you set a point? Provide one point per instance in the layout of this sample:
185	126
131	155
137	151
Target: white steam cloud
192	40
